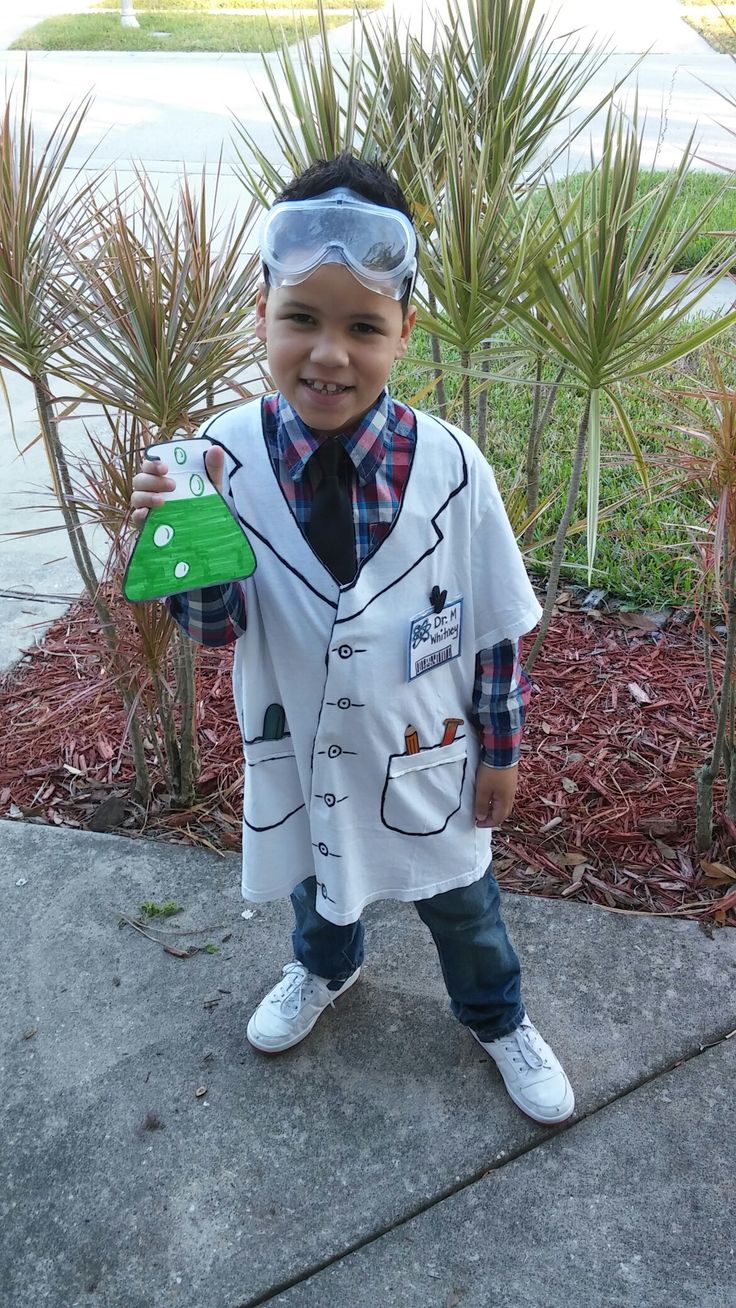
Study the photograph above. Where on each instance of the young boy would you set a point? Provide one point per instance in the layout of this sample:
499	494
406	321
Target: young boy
377	677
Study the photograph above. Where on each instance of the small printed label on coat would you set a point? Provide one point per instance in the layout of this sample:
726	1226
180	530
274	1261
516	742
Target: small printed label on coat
435	638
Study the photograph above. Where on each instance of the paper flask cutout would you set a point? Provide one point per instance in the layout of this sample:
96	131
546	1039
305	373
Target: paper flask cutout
192	540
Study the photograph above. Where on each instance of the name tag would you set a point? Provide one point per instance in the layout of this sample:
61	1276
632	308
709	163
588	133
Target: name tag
435	638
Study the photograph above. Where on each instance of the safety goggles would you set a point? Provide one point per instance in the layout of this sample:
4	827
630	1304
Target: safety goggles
377	245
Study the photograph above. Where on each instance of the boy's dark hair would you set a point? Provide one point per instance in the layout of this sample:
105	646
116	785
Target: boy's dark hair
371	180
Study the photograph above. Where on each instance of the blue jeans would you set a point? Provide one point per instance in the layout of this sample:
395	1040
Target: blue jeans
479	964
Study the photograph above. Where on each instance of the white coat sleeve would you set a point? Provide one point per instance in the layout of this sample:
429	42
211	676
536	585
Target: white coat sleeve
504	604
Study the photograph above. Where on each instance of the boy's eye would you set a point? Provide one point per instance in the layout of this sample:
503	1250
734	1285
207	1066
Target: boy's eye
364	328
301	317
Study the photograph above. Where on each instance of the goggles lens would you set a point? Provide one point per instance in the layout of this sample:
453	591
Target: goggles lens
378	245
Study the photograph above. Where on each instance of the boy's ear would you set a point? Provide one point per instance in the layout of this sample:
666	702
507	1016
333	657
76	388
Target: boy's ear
407	327
260	323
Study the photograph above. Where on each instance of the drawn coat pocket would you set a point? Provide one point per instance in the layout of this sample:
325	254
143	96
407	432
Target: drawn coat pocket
273	792
423	791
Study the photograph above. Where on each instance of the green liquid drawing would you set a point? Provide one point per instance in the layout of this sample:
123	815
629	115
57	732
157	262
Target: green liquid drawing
187	544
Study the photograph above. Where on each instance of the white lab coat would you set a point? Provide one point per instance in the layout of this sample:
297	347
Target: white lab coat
339	794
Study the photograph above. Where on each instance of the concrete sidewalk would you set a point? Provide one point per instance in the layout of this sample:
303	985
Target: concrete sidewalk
380	1164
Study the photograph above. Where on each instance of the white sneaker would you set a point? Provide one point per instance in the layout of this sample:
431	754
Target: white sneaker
290	1010
533	1076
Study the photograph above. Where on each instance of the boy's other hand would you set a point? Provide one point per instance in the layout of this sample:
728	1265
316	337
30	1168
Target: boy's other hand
494	794
152	482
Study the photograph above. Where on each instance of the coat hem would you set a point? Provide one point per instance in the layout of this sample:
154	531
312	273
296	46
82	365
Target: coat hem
401	895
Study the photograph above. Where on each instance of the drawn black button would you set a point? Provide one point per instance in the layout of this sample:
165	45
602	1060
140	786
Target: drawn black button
343	703
323	848
345	651
334	751
330	801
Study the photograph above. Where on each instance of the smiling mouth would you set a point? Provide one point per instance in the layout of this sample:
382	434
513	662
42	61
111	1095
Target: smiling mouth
325	388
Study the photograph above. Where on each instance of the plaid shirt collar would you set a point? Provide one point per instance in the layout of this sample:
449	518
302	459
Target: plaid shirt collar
366	444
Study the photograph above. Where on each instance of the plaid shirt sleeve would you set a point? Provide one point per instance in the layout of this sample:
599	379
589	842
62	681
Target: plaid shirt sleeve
213	616
500	699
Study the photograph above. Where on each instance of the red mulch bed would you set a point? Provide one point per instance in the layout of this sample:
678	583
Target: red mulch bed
618	726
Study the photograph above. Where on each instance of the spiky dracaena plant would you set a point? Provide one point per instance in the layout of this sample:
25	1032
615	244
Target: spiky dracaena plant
37	200
610	302
497	68
480	248
160	304
43	209
704	462
497	75
316	103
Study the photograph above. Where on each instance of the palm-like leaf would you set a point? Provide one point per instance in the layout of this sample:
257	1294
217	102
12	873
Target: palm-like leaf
502	51
708	461
610	302
37	199
322	113
161	307
477	253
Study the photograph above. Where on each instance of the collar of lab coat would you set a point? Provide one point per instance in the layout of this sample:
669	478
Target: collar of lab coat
438	474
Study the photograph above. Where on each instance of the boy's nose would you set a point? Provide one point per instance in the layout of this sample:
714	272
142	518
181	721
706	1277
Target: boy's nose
330	351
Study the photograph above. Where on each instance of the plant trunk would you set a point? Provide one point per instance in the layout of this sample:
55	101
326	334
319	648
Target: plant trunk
708	774
436	348
80	550
166	722
467	423
731	766
63	484
731	784
532	453
483	407
561	537
186	698
708	656
538	427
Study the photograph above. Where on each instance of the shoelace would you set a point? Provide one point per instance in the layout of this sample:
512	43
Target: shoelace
295	987
522	1049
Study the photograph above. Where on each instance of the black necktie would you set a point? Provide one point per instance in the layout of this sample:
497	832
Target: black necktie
330	532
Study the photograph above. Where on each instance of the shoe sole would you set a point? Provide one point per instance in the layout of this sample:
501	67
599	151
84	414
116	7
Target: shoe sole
270	1051
558	1120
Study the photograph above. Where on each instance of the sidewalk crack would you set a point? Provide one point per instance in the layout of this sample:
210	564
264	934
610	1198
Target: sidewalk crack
548	1137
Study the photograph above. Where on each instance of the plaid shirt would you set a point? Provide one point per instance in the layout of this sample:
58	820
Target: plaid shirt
381	448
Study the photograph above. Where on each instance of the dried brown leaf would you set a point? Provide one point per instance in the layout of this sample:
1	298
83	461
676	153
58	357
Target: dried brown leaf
665	850
720	874
638	694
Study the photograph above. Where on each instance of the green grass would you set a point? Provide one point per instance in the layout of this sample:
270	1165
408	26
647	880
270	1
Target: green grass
187	33
718	29
149	908
161	6
698	189
643	552
716	23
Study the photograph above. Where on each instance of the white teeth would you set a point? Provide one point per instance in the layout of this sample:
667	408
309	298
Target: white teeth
328	387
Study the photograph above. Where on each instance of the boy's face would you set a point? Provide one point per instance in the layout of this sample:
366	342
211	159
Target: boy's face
331	330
